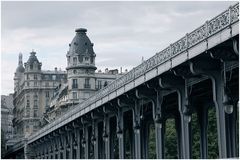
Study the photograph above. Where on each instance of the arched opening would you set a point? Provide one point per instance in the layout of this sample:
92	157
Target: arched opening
213	152
128	135
171	139
195	136
82	153
151	141
113	138
90	143
101	146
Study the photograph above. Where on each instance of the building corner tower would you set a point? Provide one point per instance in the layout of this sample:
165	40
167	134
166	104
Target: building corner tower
81	67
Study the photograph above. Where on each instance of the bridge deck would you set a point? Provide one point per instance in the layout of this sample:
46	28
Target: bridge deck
213	32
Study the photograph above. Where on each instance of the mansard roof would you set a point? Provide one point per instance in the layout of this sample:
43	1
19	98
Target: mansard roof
81	44
32	58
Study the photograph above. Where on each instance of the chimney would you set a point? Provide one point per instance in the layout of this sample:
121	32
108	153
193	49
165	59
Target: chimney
55	69
106	70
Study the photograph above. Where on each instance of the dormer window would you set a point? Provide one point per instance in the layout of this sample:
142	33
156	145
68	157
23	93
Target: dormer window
91	59
68	59
80	58
74	60
86	58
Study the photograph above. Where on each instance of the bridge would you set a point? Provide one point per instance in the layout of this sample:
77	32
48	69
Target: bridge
196	74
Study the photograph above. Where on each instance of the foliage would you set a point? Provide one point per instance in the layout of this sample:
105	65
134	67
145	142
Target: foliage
212	134
195	137
152	143
171	138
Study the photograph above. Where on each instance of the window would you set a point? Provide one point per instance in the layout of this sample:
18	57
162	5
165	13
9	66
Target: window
47	94
74	95
35	77
35	103
80	58
46	77
87	85
74	83
91	60
74	71
35	84
35	112
27	128
68	59
28	84
99	84
28	107
47	84
74	60
54	77
86	58
31	66
27	76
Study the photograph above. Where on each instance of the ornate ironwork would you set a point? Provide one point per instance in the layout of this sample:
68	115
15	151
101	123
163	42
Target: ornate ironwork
234	13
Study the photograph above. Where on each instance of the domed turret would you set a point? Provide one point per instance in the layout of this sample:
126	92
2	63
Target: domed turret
81	44
81	67
20	68
81	53
32	58
33	64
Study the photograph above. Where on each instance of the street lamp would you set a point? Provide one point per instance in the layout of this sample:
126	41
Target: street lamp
159	120
75	144
84	142
227	100
187	112
93	138
105	135
227	103
119	132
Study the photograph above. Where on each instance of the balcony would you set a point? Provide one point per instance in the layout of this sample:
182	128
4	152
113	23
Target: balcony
87	86
74	86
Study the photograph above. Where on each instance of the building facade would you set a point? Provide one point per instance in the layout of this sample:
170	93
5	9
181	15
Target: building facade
83	80
7	115
42	96
33	89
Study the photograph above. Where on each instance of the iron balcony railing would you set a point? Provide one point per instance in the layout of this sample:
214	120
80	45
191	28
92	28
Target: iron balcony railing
87	86
74	86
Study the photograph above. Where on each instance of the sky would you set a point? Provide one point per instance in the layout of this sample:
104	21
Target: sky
122	32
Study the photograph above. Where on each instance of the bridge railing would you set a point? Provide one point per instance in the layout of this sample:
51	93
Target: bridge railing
215	25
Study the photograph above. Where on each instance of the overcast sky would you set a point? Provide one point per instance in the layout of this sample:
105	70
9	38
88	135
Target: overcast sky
122	32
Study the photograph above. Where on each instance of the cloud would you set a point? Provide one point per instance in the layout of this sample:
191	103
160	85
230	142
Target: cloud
123	32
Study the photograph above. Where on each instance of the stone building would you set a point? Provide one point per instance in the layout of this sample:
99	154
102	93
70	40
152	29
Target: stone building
33	88
83	80
42	96
7	115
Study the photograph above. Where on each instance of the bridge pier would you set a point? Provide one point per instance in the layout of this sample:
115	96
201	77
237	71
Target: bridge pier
202	113
106	136
155	95
137	129
214	72
120	132
170	81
